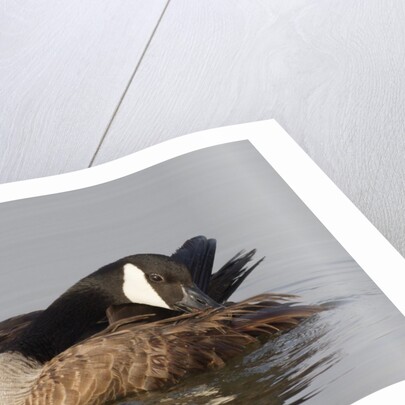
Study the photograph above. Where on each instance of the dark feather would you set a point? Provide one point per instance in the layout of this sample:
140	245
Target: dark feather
230	276
11	328
197	254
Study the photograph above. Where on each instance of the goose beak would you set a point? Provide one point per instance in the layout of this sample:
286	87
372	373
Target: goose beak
194	299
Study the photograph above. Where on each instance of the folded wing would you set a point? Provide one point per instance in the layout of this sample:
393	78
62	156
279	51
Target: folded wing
132	357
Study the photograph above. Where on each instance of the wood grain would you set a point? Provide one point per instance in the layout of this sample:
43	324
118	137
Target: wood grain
330	71
63	68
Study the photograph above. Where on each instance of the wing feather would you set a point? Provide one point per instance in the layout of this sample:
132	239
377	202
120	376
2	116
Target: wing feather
130	358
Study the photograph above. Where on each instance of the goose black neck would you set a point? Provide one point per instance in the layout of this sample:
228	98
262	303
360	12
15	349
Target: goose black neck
63	323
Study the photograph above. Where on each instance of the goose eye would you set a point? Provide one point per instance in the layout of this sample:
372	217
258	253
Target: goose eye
155	277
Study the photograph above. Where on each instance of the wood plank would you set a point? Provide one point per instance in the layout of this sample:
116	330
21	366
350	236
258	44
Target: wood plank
63	68
331	72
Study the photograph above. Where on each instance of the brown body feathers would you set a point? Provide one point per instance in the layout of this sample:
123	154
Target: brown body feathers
134	355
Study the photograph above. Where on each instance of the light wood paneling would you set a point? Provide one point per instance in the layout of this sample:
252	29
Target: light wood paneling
64	66
330	71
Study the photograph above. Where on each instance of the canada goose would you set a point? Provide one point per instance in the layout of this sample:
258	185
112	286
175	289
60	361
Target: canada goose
44	364
197	254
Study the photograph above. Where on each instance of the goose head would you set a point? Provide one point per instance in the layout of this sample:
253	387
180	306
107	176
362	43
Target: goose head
147	279
154	280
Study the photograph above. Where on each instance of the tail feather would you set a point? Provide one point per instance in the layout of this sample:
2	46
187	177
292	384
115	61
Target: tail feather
230	276
198	255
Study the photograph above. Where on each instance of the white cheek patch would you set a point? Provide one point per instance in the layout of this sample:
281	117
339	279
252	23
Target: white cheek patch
138	290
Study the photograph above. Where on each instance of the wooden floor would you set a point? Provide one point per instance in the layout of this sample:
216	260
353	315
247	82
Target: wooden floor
82	83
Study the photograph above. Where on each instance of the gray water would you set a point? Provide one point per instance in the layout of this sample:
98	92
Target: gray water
231	193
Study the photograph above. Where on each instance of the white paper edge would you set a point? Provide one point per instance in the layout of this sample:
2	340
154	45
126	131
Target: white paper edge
339	215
